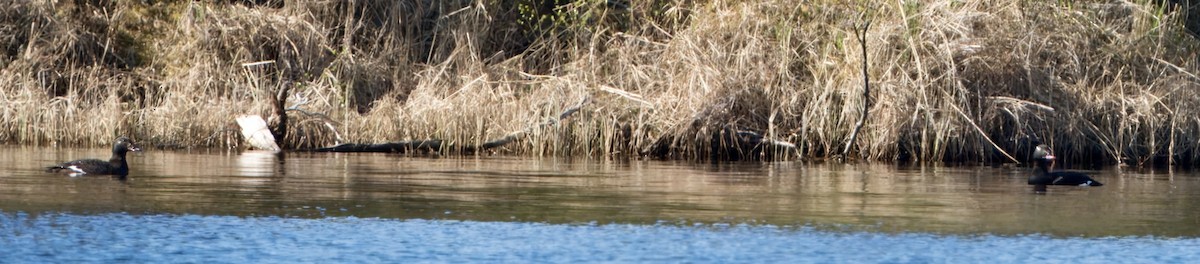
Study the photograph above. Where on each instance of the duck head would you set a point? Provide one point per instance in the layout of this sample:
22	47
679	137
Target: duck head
123	145
1043	156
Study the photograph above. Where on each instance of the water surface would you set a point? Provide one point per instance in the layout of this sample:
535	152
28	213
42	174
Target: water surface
255	196
108	238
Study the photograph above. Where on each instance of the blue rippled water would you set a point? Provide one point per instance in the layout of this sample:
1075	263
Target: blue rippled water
107	238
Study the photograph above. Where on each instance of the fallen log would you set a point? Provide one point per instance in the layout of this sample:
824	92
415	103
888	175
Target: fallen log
437	145
431	145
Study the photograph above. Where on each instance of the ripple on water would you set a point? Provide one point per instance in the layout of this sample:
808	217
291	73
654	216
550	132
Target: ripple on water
59	238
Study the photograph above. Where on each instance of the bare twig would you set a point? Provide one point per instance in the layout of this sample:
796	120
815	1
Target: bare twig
627	95
1022	103
981	133
1178	69
861	34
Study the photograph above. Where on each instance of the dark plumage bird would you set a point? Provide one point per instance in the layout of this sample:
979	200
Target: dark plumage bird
114	166
1043	158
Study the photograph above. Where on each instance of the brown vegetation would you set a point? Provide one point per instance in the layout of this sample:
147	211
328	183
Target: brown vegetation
1105	82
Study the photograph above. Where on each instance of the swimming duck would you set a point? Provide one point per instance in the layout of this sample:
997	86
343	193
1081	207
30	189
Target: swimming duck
1043	158
114	166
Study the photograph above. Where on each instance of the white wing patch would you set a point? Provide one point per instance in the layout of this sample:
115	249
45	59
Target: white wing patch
76	171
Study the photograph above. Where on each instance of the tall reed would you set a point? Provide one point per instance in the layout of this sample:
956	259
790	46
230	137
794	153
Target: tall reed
952	80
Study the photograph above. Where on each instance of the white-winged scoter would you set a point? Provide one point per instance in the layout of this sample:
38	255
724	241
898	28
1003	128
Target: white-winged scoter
114	166
1043	158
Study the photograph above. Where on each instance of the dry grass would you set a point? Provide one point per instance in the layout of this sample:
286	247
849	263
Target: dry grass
1102	82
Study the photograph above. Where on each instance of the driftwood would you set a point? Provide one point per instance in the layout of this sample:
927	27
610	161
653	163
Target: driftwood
257	133
435	145
734	144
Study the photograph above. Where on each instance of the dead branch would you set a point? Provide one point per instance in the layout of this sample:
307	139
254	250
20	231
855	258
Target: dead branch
861	34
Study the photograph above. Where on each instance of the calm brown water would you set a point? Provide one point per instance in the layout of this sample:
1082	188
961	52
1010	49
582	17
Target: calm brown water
875	197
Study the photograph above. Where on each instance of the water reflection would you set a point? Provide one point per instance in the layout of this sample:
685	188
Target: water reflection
877	197
259	163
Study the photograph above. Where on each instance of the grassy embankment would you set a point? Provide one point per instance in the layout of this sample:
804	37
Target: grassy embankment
1102	82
